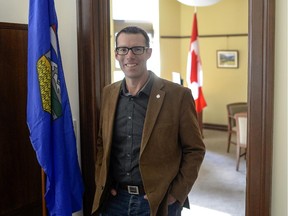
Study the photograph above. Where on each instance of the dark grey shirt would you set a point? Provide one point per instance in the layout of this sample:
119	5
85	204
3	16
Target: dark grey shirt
127	134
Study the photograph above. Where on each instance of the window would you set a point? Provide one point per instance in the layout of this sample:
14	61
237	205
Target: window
134	12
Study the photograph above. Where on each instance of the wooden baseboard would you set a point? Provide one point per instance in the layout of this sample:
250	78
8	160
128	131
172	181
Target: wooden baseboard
215	126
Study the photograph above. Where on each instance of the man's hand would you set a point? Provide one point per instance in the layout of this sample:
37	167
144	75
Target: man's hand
171	199
113	192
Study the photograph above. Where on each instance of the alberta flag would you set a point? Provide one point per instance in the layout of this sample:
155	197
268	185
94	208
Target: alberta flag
49	115
194	69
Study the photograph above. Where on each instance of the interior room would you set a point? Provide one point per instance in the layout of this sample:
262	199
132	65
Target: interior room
170	29
224	26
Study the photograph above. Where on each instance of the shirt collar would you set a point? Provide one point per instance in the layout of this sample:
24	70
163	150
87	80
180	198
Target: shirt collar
146	89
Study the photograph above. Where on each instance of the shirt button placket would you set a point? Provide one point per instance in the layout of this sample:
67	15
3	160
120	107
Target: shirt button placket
129	135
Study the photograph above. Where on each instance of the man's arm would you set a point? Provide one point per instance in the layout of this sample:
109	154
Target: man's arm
193	150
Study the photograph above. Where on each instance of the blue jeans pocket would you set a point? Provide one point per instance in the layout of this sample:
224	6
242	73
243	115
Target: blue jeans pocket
174	209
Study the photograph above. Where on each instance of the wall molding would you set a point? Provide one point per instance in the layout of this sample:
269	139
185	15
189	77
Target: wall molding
204	36
211	126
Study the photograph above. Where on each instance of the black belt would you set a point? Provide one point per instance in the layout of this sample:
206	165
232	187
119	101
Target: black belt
132	189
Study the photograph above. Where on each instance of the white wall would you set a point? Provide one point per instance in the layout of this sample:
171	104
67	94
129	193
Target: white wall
279	174
16	11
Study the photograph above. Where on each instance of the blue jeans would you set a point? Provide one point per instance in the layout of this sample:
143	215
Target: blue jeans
125	204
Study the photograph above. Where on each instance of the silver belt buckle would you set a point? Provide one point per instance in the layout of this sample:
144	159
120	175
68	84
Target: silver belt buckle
133	189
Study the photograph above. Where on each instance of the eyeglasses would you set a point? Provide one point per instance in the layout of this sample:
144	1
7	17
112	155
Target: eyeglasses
137	50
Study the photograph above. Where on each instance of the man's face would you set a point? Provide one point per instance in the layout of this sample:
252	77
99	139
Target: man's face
134	66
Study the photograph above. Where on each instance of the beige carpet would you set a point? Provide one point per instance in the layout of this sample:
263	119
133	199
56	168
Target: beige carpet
219	189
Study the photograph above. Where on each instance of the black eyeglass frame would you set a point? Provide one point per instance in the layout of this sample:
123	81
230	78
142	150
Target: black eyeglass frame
131	48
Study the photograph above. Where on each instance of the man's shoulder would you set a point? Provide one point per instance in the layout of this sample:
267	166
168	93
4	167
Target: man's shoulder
167	84
113	85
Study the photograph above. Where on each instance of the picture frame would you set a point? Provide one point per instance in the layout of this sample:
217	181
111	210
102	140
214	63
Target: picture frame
227	58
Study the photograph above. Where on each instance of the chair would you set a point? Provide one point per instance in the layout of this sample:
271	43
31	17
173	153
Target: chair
241	134
232	109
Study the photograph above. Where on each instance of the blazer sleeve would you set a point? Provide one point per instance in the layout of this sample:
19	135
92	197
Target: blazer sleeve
193	149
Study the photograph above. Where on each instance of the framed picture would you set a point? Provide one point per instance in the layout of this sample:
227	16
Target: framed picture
227	59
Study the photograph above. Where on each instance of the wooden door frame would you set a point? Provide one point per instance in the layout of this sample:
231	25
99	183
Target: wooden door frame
94	71
260	111
94	74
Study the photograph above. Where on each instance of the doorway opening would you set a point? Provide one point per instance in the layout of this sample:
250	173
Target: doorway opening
94	73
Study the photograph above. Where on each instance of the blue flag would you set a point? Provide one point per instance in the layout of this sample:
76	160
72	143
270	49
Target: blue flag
49	115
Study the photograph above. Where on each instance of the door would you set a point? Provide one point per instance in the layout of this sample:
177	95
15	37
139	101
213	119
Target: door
20	174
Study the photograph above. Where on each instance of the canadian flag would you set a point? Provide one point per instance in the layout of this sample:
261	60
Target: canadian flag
194	69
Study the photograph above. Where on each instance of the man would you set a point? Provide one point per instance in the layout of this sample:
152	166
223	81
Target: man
149	147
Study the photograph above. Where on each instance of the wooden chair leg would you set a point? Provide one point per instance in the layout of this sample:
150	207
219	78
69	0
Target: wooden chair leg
229	142
238	152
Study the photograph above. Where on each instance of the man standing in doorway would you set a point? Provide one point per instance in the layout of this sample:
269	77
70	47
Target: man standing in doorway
149	146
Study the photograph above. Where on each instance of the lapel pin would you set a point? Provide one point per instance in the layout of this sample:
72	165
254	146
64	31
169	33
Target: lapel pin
157	96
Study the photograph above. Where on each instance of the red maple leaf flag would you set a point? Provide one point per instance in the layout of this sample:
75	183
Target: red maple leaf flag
194	69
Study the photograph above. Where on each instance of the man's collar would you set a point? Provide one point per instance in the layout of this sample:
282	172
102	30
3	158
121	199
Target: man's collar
146	89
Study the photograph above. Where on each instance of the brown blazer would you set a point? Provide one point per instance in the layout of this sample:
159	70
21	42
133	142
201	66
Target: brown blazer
171	151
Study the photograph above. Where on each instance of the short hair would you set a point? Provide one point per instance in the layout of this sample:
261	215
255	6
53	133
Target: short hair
134	30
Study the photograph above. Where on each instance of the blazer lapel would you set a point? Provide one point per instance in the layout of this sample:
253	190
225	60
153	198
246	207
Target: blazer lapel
154	106
111	110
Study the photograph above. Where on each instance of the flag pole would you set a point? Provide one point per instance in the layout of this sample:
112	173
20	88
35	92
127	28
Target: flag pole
43	177
199	114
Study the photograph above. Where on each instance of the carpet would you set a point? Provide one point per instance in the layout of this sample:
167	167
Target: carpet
219	189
